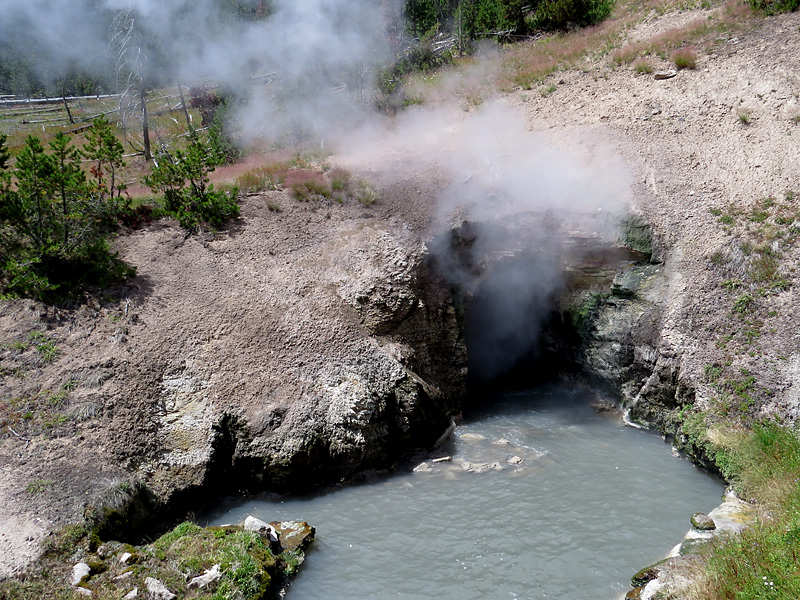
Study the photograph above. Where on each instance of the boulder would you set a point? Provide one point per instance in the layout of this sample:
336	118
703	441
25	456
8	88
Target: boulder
703	522
157	590
80	573
258	526
206	579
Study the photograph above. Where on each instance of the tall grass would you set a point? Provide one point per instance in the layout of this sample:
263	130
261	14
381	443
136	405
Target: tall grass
764	561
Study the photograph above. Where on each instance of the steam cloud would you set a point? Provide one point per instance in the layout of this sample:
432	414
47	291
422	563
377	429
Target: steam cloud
313	46
514	198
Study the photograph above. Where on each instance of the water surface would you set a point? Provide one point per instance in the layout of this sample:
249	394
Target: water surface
544	498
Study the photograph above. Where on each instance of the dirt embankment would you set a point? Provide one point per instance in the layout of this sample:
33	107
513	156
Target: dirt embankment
281	343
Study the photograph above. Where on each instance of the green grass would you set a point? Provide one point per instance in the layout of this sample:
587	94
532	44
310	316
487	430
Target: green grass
685	58
764	561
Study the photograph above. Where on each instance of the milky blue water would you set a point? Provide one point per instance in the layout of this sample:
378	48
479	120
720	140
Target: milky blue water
544	498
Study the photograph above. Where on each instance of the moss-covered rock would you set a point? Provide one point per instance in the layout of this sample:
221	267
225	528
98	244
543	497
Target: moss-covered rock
245	564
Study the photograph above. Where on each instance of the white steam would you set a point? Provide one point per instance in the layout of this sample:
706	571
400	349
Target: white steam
323	53
523	204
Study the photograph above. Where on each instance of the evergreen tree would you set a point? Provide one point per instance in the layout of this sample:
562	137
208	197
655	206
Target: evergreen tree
182	176
52	226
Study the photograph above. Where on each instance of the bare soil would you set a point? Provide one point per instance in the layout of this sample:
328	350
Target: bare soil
247	321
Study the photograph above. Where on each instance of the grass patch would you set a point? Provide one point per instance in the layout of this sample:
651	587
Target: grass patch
643	67
366	193
764	561
685	58
745	116
306	185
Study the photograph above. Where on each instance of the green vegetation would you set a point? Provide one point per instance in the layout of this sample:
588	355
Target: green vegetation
481	18
762	462
182	176
745	116
685	58
772	7
643	67
54	220
759	457
561	14
248	568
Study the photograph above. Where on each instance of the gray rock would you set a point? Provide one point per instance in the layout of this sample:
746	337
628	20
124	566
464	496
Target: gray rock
262	527
423	468
157	590
134	593
82	591
665	74
206	579
79	573
703	522
125	557
515	460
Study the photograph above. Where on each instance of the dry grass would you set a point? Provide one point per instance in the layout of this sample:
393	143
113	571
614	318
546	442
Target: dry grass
305	184
530	63
643	66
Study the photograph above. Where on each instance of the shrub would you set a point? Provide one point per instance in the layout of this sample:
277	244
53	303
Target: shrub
366	193
562	14
685	58
643	67
340	179
305	184
53	224
772	7
182	176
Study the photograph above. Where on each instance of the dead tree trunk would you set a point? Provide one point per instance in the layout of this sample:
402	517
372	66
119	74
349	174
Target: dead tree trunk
145	125
66	104
183	104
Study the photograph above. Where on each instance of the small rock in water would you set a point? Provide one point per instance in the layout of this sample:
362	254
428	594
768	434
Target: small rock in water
502	442
473	437
515	460
603	406
79	573
496	466
467	466
262	527
703	522
207	578
157	590
423	468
